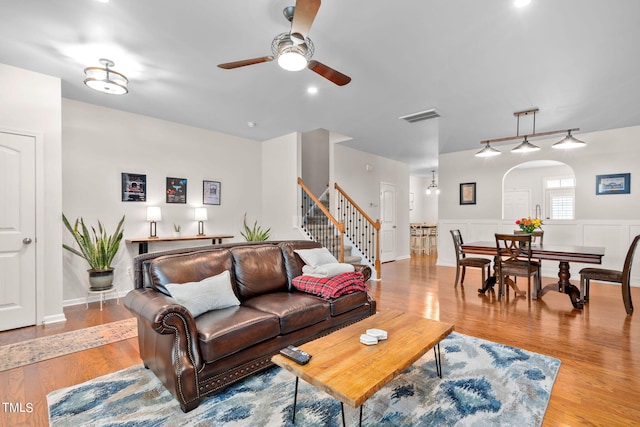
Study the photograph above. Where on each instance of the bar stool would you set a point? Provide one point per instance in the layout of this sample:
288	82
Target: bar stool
429	239
416	238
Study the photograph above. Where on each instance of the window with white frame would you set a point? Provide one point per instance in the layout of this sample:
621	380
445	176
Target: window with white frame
560	195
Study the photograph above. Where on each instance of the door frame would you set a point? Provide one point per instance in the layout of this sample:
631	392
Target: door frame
395	214
40	235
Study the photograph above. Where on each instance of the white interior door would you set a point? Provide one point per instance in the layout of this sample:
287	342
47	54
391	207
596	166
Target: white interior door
17	231
388	227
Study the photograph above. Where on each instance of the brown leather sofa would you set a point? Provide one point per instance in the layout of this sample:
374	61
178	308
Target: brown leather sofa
195	357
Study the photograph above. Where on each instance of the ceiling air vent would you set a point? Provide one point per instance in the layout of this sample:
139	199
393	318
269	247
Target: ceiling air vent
421	115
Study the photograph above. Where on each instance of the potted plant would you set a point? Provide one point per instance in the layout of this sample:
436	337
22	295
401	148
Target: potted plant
176	230
255	233
98	248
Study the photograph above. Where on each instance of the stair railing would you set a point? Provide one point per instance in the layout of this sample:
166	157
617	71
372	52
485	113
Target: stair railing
360	228
319	224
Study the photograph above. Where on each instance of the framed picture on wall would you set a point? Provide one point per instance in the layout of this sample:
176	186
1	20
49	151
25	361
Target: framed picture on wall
134	187
619	183
468	193
176	190
211	192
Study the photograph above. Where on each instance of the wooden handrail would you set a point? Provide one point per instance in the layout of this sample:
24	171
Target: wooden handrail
338	225
375	224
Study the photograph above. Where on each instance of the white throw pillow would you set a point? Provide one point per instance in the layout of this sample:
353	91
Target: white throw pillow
212	293
317	256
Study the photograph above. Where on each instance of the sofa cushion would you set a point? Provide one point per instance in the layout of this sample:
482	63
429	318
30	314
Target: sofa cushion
295	310
317	256
188	267
258	270
208	294
331	287
229	330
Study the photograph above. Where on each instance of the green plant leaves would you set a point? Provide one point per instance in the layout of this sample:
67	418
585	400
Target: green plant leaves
99	248
255	233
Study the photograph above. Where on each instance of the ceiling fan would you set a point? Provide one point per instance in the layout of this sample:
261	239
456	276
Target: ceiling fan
294	49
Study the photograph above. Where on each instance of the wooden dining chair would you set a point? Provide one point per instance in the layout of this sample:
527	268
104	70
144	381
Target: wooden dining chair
463	261
514	259
614	276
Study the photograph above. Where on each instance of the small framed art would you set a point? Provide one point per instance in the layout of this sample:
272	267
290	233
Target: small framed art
468	193
211	192
619	183
176	190
134	187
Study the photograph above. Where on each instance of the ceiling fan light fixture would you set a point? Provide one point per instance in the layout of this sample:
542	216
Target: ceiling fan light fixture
106	80
488	151
525	147
569	142
291	60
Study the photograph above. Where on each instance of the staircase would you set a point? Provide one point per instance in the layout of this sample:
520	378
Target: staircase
323	228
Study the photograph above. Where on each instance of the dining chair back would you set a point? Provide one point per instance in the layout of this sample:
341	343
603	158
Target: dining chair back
463	261
614	276
513	254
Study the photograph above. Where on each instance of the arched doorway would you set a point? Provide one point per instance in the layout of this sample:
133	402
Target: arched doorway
542	189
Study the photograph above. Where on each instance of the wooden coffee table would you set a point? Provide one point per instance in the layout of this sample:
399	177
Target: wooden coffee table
352	372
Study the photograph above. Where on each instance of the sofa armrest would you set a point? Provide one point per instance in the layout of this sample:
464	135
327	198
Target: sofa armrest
160	314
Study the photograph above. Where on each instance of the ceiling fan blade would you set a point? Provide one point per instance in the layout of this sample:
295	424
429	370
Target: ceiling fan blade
237	64
329	73
303	17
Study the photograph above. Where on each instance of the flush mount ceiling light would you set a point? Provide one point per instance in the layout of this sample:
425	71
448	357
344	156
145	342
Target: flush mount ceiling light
525	147
106	80
521	3
433	186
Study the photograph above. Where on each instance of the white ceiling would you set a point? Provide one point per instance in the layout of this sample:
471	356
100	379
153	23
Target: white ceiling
476	62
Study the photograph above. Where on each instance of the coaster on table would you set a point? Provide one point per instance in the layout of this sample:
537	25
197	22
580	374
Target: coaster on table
378	333
368	339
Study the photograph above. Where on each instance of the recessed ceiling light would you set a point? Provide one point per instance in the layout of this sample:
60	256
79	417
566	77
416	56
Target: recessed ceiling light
312	89
521	3
251	124
103	1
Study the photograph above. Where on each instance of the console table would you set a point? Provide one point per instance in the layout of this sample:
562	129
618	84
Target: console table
143	242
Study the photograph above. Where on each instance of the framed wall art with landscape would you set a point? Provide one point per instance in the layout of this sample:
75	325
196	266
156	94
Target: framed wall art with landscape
619	183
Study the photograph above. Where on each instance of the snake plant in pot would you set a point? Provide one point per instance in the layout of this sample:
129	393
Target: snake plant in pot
98	248
255	233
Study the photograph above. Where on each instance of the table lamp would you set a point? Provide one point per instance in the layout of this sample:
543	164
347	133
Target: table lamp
200	216
153	214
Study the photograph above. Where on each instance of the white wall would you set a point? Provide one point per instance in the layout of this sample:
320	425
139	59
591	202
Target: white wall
31	102
610	221
425	206
315	160
101	143
280	201
349	171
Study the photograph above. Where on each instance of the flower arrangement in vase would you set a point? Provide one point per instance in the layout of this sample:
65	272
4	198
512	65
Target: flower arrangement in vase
527	225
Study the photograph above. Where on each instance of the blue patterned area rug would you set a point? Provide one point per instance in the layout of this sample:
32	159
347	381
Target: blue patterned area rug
483	384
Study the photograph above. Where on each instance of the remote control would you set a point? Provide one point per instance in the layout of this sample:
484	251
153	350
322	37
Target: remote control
295	354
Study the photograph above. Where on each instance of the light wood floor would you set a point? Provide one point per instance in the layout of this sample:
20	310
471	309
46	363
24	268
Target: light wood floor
598	382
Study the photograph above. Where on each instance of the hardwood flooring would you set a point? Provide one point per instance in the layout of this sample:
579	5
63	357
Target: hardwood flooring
598	383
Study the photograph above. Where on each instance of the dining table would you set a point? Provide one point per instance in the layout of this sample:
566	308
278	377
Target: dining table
564	254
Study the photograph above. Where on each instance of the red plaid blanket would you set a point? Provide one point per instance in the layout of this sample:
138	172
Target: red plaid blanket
331	287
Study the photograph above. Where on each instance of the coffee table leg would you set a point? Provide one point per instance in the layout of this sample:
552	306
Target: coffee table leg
436	352
295	401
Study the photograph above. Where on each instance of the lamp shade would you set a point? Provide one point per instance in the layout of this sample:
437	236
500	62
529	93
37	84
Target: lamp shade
569	142
488	151
154	213
525	147
200	214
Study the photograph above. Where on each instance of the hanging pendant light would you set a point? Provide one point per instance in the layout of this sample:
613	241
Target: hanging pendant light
569	142
525	147
433	186
106	80
488	151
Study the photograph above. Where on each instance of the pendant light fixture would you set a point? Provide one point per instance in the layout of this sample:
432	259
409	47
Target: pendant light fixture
526	146
433	186
106	80
569	142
